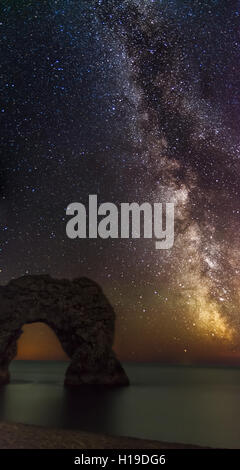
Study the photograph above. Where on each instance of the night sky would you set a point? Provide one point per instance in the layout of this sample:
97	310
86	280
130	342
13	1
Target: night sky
135	101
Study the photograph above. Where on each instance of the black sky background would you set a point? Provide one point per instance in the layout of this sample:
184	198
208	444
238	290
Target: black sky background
136	101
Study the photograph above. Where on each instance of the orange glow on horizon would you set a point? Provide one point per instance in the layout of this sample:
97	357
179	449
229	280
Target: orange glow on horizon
39	342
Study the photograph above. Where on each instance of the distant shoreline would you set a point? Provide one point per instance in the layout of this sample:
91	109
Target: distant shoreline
24	436
198	365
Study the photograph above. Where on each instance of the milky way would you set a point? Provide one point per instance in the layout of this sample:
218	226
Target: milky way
134	101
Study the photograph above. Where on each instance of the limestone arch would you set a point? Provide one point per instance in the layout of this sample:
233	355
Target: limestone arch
79	314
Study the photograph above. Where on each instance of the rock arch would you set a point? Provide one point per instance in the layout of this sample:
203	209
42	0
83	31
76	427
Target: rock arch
80	315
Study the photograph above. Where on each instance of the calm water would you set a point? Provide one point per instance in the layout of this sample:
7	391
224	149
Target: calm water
176	404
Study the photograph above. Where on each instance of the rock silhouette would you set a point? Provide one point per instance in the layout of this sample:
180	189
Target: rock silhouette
79	314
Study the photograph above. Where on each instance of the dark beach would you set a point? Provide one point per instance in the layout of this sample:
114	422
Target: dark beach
22	436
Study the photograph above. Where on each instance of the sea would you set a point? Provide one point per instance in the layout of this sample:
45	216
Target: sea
183	404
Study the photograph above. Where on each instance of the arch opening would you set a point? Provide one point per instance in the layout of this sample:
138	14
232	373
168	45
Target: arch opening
38	342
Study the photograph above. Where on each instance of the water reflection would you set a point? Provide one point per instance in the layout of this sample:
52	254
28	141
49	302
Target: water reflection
189	405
